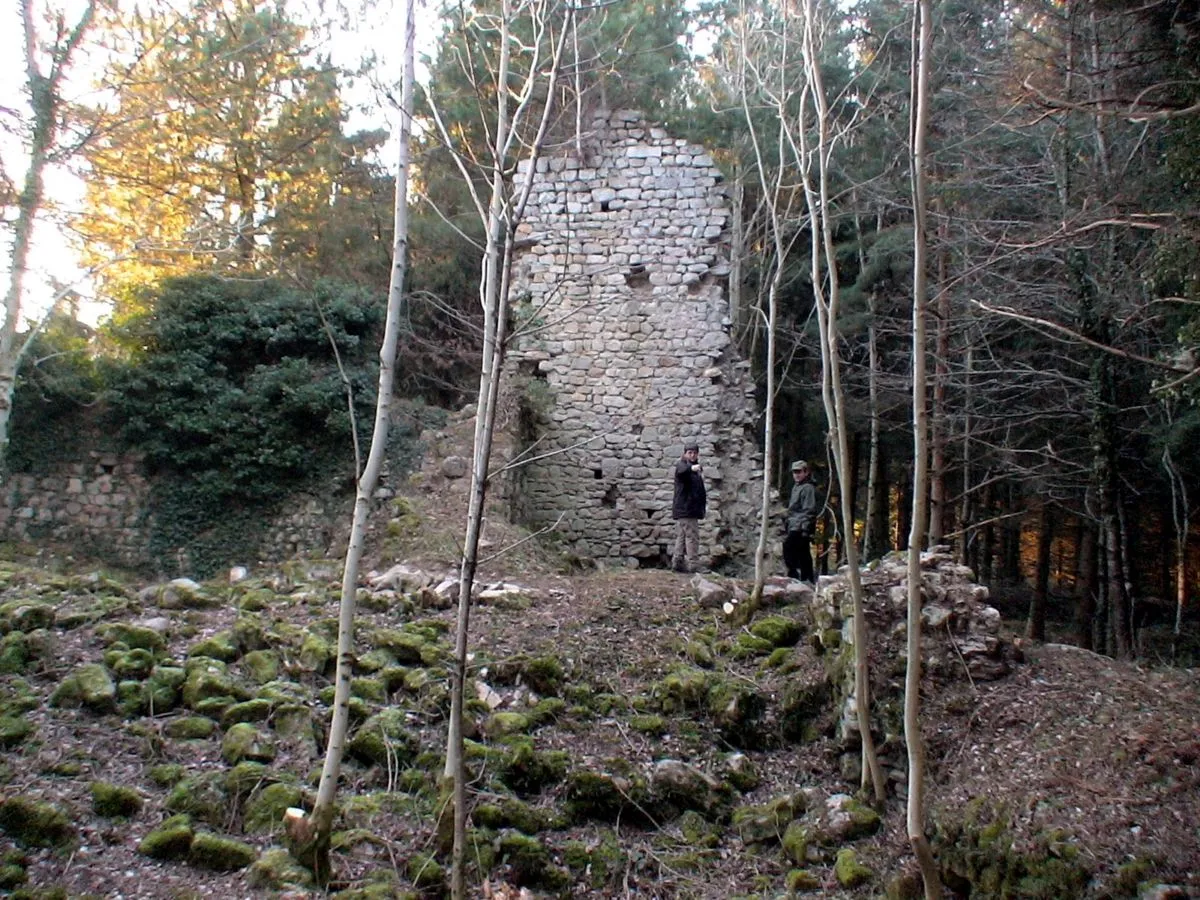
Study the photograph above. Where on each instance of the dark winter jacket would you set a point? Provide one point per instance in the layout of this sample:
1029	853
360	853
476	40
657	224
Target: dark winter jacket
802	508
690	498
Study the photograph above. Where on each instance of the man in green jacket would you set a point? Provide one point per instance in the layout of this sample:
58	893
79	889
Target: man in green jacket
801	517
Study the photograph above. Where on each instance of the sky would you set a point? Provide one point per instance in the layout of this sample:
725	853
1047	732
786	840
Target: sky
378	30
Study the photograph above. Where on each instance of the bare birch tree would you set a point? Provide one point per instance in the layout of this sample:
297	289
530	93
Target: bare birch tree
827	294
921	47
310	836
501	212
777	200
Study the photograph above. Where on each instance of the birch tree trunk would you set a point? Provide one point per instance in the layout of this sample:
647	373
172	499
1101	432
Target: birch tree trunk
938	437
775	201
828	302
915	820
310	837
1181	517
501	216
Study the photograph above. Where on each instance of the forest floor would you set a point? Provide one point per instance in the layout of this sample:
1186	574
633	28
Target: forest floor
1072	775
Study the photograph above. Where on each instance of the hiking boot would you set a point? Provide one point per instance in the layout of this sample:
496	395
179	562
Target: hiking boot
680	568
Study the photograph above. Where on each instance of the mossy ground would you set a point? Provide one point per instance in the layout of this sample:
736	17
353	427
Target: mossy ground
605	673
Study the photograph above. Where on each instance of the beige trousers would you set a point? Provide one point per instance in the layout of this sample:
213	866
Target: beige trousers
687	543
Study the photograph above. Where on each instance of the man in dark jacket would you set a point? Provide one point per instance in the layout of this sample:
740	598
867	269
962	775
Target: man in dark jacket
801	516
688	509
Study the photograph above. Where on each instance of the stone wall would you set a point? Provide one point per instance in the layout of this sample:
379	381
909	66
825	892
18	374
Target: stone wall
97	505
626	349
99	508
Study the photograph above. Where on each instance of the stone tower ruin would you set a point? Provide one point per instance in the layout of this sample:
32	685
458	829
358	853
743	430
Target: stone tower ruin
624	353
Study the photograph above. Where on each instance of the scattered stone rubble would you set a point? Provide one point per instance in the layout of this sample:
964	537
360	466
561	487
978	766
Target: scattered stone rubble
960	631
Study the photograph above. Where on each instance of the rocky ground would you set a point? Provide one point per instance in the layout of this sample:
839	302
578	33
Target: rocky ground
628	736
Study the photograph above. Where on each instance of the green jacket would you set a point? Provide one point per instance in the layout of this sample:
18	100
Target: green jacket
802	507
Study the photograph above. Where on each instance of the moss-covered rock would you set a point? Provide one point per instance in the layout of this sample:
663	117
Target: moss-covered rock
653	725
384	739
250	632
25	615
676	786
802	881
134	664
263	811
245	742
795	842
599	863
682	688
528	861
768	822
14	730
373	690
741	772
509	812
222	646
296	728
780	631
736	708
15	654
848	871
167	774
606	796
261	666
115	800
698	831
505	722
89	686
12	873
522	768
208	679
163	689
170	840
190	728
425	871
220	854
244	778
803	704
34	823
201	796
543	674
275	870
256	710
846	819
17	697
749	646
406	648
976	846
316	653
133	636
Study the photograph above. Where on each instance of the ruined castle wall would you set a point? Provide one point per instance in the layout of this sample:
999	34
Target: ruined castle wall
626	349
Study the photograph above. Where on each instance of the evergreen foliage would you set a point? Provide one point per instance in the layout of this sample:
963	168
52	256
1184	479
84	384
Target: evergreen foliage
56	388
233	393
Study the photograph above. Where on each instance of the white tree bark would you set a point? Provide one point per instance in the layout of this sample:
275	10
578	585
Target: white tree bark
827	292
502	214
310	837
915	820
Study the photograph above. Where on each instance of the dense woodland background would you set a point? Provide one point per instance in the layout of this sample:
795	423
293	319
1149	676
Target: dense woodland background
239	232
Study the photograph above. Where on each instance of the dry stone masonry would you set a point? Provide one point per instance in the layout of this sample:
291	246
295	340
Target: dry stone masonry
625	349
97	505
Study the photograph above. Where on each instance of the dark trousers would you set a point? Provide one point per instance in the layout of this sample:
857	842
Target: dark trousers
797	556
